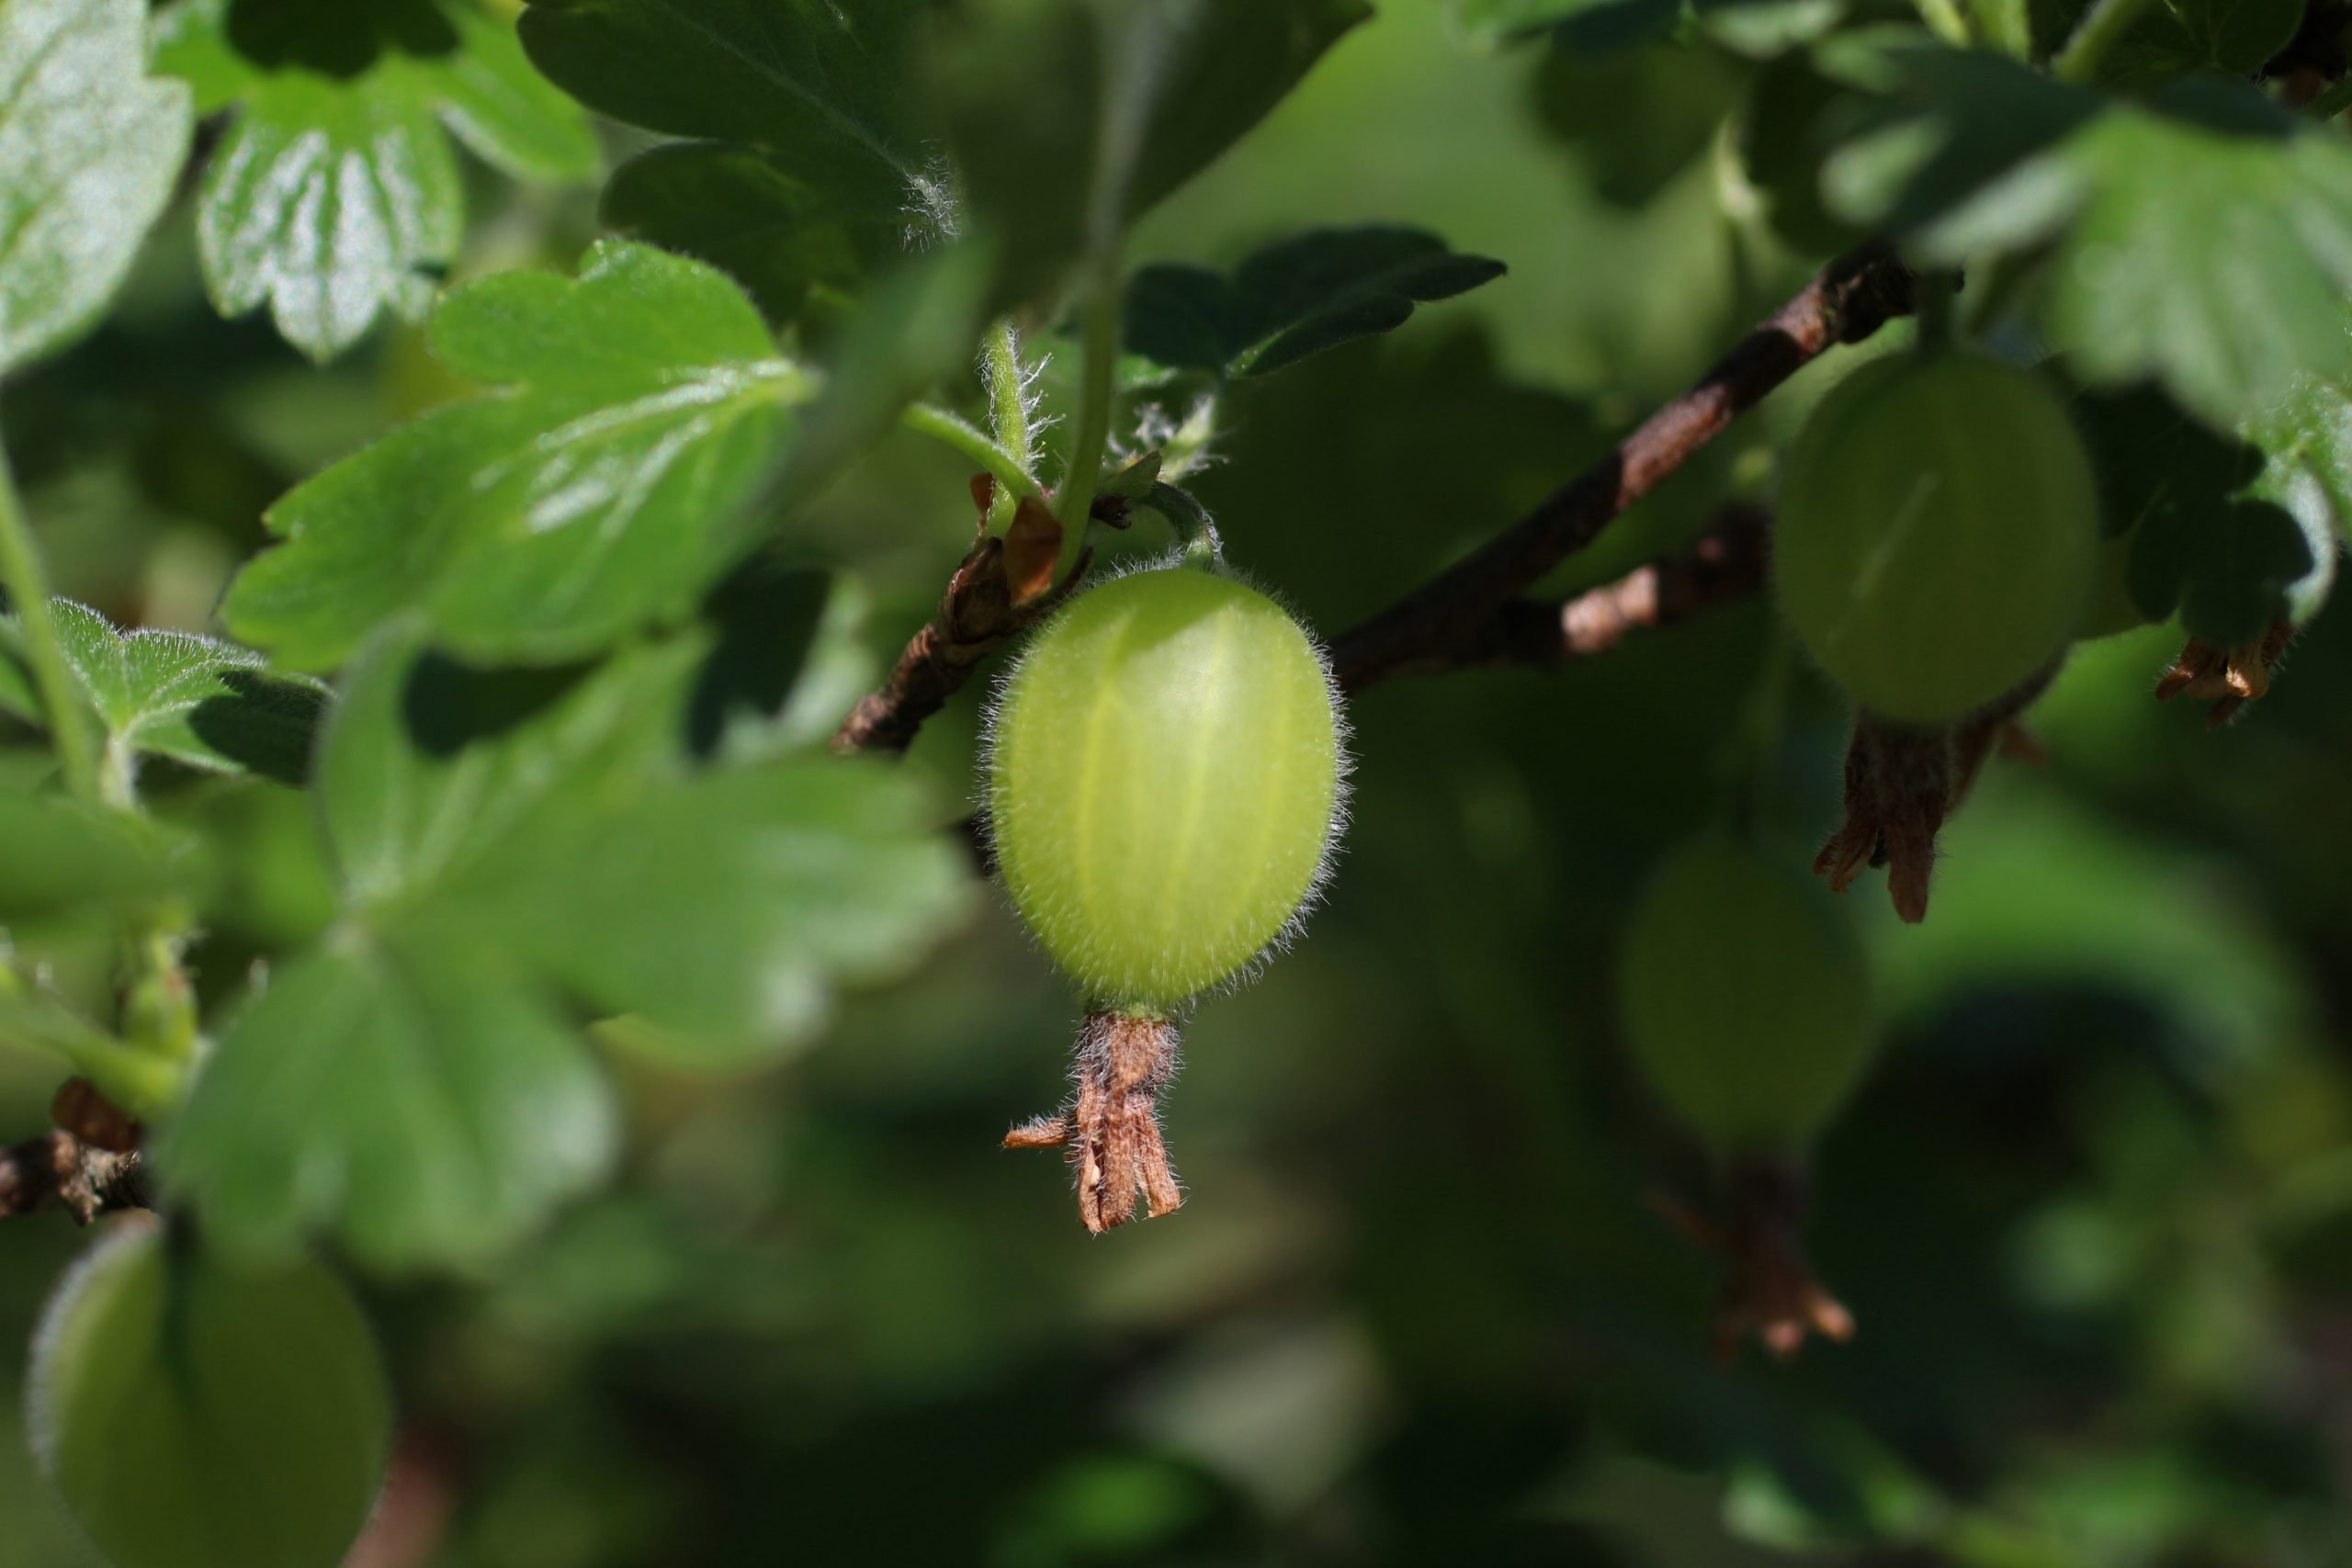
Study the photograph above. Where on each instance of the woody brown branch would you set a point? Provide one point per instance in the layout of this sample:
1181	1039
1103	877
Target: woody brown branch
1728	562
1001	584
1430	627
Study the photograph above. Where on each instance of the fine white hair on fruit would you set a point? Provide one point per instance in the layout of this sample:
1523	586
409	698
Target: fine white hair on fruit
1343	763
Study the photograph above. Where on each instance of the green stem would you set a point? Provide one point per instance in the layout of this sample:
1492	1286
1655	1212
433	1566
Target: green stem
949	429
28	587
1945	20
1100	355
1195	531
2101	29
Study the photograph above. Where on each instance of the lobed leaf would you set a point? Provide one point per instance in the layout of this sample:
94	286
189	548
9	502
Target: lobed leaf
509	839
198	701
401	1090
89	148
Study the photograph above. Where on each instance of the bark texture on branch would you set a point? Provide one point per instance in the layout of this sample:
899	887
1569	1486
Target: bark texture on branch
1001	585
1429	629
1728	562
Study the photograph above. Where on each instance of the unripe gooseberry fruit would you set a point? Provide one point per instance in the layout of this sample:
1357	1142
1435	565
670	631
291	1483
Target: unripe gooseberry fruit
1164	784
1744	999
1938	534
199	1414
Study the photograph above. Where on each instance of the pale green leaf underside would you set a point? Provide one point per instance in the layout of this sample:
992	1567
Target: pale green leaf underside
89	148
335	195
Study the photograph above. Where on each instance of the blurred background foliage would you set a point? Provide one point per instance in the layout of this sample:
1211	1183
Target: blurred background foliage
2093	1209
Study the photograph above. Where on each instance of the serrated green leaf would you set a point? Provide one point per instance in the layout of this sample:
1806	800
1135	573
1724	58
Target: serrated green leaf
406	1092
2202	237
207	703
1293	298
335	195
601	488
1187	78
89	148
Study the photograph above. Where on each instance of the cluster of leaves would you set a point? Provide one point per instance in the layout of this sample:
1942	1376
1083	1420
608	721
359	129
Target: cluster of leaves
568	765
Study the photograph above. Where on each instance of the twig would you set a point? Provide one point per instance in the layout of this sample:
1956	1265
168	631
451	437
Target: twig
1429	628
1727	562
1472	615
1003	584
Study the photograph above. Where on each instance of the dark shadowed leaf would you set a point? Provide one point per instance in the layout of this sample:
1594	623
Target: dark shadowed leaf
1293	298
1020	90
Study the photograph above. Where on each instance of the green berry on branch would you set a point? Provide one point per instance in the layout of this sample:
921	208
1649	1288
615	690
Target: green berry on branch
1938	534
1745	1002
1164	791
199	1414
1744	998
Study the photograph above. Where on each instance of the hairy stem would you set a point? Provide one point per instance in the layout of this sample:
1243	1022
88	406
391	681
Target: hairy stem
21	574
1008	410
2102	28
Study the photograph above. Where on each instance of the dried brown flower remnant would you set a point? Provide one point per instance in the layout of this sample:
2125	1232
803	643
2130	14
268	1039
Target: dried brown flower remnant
1110	1131
1769	1288
2228	678
1902	780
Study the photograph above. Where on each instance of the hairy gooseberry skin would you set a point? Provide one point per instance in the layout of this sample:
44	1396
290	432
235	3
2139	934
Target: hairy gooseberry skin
1744	999
1938	534
195	1414
1164	782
